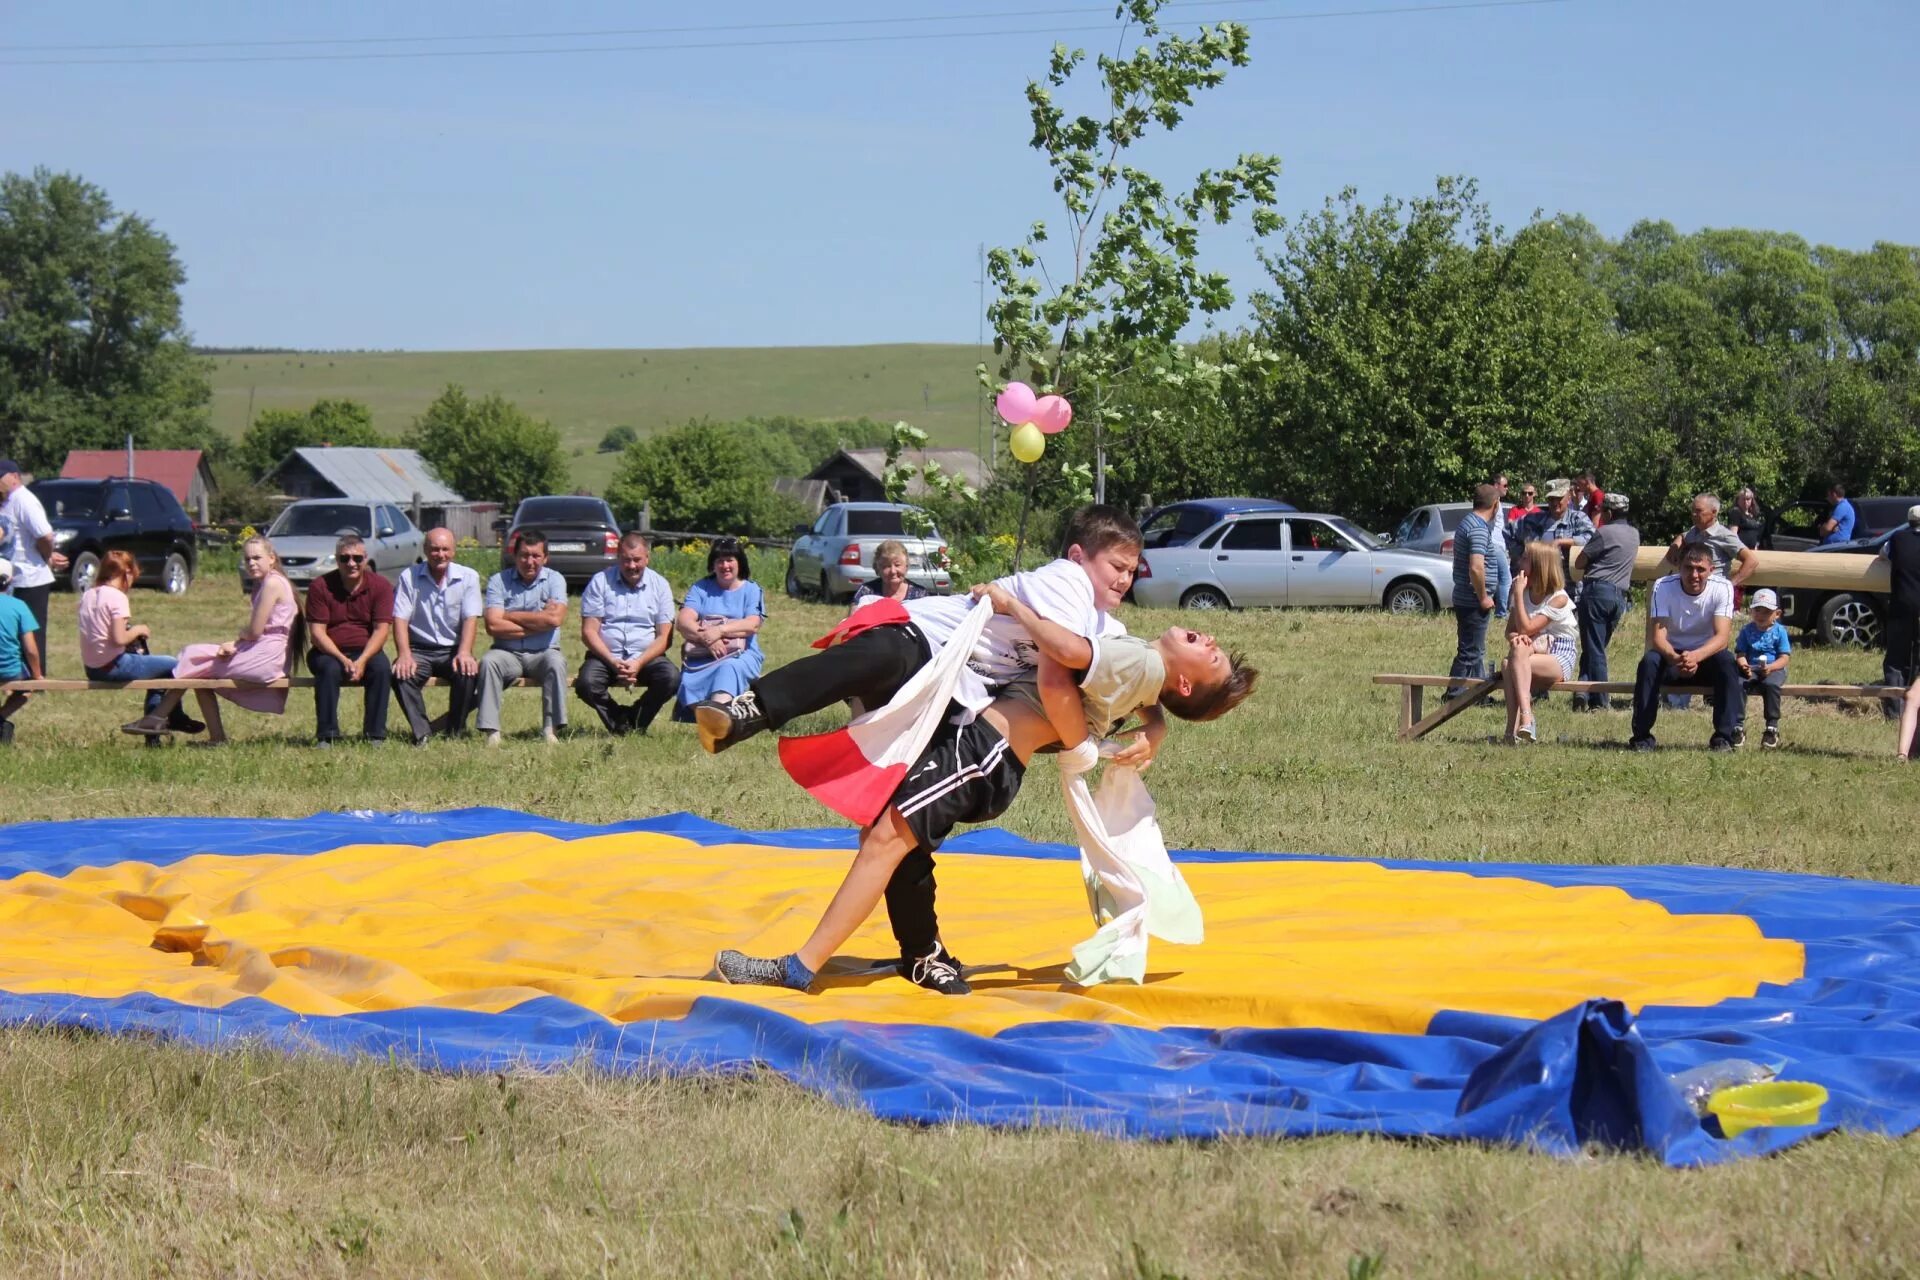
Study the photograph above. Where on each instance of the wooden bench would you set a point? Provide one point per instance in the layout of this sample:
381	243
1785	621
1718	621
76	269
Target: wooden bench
1413	724
216	731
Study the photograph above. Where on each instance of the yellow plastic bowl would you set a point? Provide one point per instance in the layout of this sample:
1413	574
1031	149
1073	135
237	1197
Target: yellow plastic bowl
1777	1102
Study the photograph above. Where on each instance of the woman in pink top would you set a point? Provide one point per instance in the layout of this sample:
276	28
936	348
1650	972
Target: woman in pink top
113	648
265	650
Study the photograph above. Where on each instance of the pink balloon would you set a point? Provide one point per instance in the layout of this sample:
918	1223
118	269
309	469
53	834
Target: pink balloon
1052	414
1016	403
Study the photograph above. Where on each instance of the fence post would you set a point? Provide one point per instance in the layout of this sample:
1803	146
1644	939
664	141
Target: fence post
646	516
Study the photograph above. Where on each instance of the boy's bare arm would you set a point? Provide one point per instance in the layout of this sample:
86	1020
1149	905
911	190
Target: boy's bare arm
1053	640
1061	698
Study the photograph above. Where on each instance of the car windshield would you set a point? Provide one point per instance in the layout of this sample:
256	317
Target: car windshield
1360	536
563	511
888	522
70	501
322	520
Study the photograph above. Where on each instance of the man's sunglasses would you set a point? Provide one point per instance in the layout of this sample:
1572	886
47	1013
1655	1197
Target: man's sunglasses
353	559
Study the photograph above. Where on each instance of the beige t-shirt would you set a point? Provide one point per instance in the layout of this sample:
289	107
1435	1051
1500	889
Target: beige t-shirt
1127	674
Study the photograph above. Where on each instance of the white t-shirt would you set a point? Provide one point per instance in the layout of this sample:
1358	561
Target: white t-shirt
25	523
1690	618
1059	592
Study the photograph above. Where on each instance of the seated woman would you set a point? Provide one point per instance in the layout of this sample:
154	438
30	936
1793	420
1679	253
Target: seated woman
113	648
717	621
265	650
1542	636
889	577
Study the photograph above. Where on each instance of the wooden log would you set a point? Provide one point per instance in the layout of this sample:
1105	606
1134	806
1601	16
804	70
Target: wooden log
1825	572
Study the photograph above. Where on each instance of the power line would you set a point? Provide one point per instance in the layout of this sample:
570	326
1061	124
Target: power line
419	54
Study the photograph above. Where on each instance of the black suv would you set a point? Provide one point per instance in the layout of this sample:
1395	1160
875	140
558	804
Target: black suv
93	517
1837	617
1791	526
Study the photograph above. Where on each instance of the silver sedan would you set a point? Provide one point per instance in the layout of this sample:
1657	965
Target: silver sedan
1263	559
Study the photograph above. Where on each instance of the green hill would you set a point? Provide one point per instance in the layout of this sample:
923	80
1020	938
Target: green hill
583	393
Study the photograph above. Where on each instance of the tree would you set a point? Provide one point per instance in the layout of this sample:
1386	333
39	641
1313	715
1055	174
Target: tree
92	348
275	433
618	438
489	450
705	477
1130	281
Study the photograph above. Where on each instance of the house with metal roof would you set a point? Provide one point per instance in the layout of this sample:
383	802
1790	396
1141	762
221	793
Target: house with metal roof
859	475
399	476
185	471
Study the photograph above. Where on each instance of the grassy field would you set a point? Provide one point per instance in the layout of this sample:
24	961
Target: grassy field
253	1164
583	393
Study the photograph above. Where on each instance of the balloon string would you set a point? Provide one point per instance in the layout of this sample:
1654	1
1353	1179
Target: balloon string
1026	505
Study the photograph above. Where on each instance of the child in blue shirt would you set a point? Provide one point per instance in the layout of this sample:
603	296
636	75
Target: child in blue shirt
19	653
1762	649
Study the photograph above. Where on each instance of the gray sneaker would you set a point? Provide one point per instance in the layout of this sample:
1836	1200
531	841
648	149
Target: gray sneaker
743	970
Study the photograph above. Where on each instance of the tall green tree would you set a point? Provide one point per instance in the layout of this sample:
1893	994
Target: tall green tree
1104	304
705	477
489	450
275	433
92	347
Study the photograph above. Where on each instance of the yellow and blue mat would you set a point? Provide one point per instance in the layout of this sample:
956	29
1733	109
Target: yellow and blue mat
1539	1005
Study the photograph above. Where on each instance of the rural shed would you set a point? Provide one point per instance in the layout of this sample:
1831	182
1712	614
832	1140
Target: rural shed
398	476
185	471
858	475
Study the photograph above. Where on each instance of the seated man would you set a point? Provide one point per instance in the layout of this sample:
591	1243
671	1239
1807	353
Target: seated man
19	651
626	620
972	775
436	609
349	616
1689	625
525	609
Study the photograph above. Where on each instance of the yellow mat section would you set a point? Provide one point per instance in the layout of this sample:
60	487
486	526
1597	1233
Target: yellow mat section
628	924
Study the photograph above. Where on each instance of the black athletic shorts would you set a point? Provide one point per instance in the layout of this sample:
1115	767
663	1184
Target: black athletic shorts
966	774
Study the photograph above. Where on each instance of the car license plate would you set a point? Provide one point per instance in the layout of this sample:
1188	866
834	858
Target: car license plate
568	547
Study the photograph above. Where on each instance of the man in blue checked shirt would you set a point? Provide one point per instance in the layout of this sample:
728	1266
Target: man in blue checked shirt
626	620
525	608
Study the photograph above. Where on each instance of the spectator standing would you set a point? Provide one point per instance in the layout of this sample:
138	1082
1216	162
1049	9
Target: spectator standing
1763	650
1901	665
1560	522
114	649
1746	519
1841	517
626	620
525	608
889	577
1501	505
26	540
1732	559
720	620
19	651
1606	591
349	617
1481	580
1590	498
1689	628
436	613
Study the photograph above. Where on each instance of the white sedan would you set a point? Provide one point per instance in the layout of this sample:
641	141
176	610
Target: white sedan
1265	559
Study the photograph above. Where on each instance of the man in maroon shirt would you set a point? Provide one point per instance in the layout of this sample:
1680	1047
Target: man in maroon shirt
349	617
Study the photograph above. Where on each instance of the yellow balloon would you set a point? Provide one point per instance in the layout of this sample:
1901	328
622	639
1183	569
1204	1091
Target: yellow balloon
1027	443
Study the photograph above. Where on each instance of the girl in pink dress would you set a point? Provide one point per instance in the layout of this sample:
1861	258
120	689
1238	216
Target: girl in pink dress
265	650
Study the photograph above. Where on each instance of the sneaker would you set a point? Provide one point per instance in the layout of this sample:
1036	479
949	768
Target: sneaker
491	737
937	972
145	726
1525	734
722	724
1642	744
1771	738
549	735
1740	736
180	722
1718	743
6	734
743	970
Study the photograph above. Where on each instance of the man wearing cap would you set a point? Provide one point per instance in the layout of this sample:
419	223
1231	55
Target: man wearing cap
1559	522
1902	551
1606	561
26	539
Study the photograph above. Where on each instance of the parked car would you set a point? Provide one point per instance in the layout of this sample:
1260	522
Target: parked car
833	556
1838	617
1429	528
1791	526
1179	523
582	535
93	517
305	531
1256	558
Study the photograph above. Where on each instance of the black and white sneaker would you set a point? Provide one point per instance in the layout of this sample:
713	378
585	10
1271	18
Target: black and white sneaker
722	724
1770	740
743	970
1740	736
937	972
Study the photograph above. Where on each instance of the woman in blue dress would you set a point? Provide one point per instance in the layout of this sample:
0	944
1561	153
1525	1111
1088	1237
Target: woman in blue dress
718	622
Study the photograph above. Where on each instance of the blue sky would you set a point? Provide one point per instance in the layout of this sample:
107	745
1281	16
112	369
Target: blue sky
805	194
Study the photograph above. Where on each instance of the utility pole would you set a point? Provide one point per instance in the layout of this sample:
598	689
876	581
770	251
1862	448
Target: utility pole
980	345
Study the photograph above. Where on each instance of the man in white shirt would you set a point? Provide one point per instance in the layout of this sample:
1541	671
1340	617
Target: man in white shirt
1689	629
436	611
26	539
